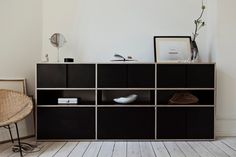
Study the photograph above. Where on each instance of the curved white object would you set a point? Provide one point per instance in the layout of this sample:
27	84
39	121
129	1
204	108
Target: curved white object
126	100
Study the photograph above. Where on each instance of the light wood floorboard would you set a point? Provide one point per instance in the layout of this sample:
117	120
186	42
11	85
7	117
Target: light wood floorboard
93	149
160	150
146	149
214	150
80	149
120	149
187	150
200	149
223	147
173	149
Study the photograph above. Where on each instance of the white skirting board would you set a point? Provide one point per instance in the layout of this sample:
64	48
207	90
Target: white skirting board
26	128
225	127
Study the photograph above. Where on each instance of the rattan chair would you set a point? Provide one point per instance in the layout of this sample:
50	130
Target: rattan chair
14	106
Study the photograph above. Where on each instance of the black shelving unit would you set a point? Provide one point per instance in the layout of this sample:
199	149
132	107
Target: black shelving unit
97	116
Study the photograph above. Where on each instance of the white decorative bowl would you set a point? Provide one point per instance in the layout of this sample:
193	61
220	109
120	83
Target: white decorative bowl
126	100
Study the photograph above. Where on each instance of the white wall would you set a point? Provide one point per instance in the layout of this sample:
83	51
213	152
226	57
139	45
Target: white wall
95	30
20	46
225	59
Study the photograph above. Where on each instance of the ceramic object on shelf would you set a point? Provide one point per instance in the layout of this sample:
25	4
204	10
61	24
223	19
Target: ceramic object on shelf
126	100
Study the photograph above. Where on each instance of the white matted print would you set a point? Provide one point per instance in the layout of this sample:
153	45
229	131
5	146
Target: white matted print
172	48
13	84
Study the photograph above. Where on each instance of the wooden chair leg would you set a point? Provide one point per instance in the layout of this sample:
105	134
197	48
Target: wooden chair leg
9	128
18	138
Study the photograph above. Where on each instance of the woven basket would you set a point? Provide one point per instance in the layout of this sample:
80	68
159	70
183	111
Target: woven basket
14	106
183	98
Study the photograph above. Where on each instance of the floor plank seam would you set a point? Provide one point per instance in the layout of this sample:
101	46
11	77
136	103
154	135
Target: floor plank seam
100	148
139	148
208	150
211	143
193	149
166	149
153	149
46	148
181	150
228	145
113	149
86	148
73	149
221	148
126	151
59	149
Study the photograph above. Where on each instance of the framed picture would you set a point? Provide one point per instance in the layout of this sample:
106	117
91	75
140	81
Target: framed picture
14	84
172	48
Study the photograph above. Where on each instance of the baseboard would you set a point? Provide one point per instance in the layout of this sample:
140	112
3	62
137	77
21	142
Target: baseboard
225	127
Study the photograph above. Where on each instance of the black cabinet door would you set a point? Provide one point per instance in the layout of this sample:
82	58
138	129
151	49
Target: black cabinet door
171	76
141	76
112	75
51	75
126	123
66	123
200	123
81	75
200	76
171	123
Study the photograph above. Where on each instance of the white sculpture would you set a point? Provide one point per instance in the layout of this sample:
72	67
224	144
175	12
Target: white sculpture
126	100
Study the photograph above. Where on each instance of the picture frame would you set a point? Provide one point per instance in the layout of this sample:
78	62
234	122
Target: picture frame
172	48
15	84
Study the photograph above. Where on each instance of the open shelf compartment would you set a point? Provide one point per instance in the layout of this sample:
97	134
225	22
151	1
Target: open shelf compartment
145	97
205	97
46	97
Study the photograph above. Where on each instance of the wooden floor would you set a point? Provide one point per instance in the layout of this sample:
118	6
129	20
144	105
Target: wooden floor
223	147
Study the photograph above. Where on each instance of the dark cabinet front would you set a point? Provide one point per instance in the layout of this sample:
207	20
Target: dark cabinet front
66	123
171	76
111	76
66	75
200	76
185	123
185	75
152	115
126	75
51	76
171	123
81	75
141	76
200	122
126	123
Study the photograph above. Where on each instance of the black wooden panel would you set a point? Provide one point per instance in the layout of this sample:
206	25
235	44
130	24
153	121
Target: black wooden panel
51	75
171	123
66	123
200	76
112	75
171	76
81	76
126	123
141	75
200	123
